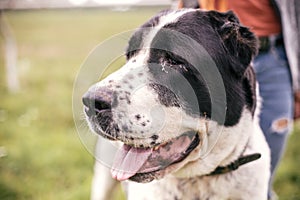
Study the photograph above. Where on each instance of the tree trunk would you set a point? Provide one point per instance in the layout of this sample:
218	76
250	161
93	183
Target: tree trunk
10	49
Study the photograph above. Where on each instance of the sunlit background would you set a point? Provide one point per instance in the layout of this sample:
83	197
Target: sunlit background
41	155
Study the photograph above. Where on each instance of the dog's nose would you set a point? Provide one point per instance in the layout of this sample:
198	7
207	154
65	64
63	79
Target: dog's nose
98	100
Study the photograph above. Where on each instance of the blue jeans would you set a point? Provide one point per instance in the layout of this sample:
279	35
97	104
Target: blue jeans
275	87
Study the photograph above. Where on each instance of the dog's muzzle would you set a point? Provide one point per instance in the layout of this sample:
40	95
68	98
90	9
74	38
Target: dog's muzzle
98	108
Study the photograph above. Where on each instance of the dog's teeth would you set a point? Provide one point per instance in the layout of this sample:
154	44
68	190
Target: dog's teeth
156	148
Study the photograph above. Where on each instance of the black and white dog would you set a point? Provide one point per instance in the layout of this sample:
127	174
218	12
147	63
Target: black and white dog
184	109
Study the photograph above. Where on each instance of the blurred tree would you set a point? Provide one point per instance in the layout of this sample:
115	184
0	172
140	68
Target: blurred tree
10	49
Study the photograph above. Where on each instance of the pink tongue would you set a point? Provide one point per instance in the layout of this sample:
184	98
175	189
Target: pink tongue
128	161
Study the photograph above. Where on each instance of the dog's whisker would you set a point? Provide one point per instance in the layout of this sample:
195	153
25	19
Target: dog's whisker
83	124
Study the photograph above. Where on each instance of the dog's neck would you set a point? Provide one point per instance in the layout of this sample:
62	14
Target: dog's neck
236	164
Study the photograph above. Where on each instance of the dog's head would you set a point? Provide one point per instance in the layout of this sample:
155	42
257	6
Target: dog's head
184	70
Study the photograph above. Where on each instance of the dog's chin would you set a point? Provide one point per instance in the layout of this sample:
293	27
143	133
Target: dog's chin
111	132
161	160
154	161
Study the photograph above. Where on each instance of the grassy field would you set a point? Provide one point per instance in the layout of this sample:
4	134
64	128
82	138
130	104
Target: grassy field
41	155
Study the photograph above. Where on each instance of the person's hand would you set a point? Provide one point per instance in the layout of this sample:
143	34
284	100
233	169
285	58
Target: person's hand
297	105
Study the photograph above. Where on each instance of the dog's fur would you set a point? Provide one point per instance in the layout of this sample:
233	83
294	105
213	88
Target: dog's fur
187	71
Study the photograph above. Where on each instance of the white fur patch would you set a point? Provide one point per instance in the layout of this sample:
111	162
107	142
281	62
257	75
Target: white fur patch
164	20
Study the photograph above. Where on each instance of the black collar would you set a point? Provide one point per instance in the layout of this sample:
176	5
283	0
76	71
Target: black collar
235	165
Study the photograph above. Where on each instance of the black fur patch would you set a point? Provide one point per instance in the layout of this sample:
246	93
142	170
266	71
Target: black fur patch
136	41
183	64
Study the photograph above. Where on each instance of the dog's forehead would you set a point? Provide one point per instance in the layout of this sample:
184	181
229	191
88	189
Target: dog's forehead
143	36
169	29
163	21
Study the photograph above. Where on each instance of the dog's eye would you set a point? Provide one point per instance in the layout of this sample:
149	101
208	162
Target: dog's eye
171	61
174	62
177	64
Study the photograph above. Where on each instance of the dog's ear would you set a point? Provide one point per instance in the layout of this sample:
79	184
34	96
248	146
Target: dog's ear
239	41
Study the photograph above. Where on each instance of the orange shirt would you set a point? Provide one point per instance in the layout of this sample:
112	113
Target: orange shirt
258	15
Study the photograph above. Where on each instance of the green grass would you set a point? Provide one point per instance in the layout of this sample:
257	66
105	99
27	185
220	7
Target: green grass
287	179
45	157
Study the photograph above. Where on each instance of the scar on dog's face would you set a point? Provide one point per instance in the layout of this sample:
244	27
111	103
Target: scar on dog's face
184	68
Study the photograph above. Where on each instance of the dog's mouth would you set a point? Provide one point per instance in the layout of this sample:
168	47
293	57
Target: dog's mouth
143	164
